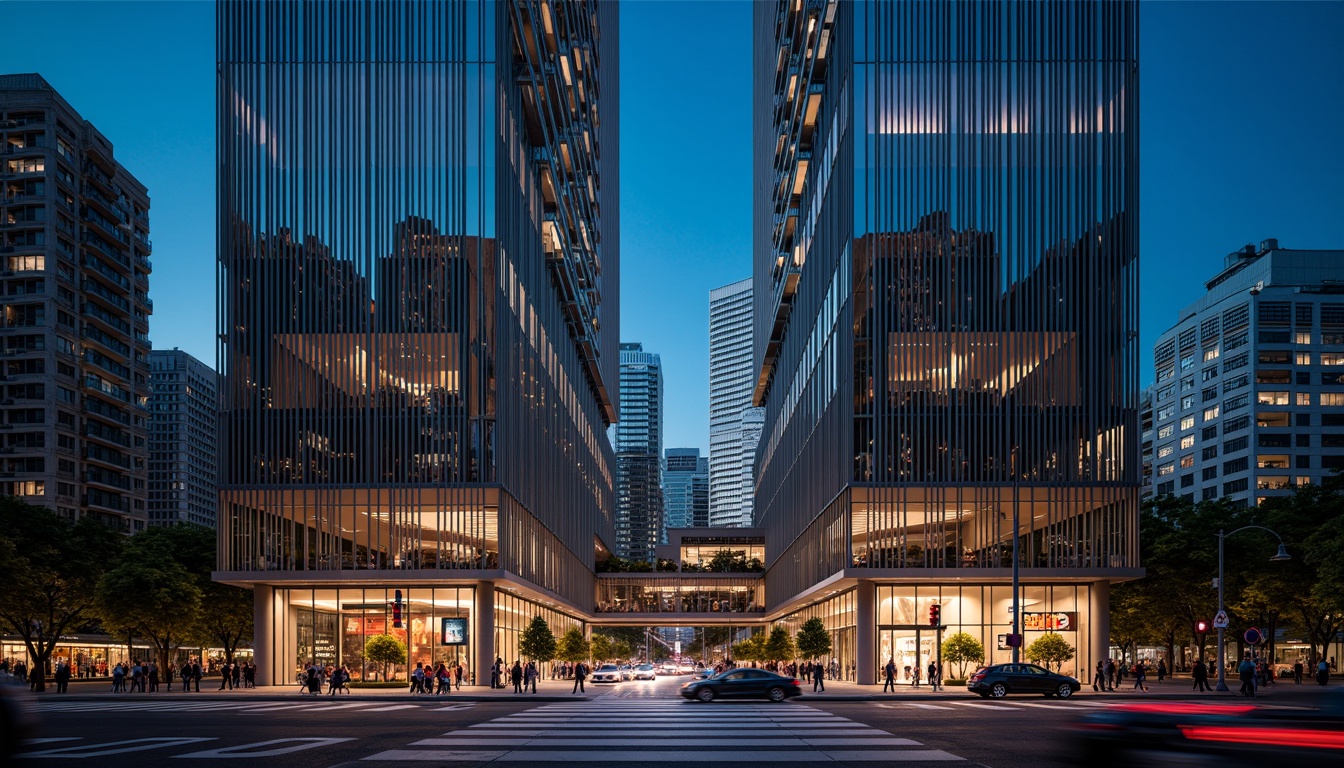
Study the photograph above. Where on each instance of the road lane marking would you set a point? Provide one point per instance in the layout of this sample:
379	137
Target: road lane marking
117	747
303	742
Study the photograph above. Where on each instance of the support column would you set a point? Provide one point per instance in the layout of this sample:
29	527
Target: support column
865	632
263	633
483	625
1099	624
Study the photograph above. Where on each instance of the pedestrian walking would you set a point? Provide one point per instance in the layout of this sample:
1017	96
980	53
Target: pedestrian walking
1161	670
1200	672
890	681
580	674
153	677
1099	677
530	676
458	672
497	673
1322	673
516	675
935	676
1297	672
1140	675
418	679
818	678
1247	672
62	677
1110	674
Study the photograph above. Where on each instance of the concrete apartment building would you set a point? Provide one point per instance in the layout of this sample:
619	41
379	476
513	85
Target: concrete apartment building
74	328
183	440
1249	397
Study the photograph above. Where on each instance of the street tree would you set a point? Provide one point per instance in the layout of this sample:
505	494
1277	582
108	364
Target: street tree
961	650
385	650
573	647
750	649
537	642
813	640
49	569
1050	650
151	595
601	647
779	646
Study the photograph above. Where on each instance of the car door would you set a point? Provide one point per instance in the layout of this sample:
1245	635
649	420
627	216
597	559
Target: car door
730	686
1036	679
1016	678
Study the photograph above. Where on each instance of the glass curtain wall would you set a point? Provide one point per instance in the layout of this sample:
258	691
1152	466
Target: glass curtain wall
330	627
984	612
513	614
839	615
699	594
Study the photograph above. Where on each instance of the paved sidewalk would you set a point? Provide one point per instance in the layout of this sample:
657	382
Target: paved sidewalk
559	690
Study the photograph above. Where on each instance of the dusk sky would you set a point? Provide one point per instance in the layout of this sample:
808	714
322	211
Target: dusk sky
1242	126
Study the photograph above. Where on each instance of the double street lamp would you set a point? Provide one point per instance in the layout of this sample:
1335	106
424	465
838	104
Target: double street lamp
1279	556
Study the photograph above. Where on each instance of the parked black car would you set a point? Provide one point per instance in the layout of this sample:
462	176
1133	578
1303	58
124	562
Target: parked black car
742	683
1002	679
1215	734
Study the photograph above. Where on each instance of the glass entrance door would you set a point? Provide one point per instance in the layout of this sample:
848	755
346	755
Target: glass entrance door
911	648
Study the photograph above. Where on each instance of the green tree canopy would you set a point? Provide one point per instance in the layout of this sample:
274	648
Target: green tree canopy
49	569
385	650
151	595
573	646
1050	650
813	639
962	650
750	649
779	646
538	642
601	647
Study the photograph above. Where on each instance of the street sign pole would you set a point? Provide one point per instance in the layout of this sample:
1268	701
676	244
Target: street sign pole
1222	662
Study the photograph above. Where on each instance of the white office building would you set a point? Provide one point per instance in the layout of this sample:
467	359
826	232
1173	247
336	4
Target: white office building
734	425
1249	399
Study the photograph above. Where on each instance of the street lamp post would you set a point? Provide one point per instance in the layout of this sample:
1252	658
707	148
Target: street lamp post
1279	556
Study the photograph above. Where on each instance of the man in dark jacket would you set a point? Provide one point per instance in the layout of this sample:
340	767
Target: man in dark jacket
1247	672
1200	672
580	674
818	678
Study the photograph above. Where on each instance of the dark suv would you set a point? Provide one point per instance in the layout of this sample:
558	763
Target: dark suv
1002	679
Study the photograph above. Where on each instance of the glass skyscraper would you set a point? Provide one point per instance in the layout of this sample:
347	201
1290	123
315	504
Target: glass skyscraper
418	320
946	286
734	424
685	490
639	454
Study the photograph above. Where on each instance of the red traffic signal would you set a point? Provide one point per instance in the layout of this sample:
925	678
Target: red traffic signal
935	615
1201	626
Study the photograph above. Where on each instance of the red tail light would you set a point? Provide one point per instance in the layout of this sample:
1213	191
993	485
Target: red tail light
793	682
1296	737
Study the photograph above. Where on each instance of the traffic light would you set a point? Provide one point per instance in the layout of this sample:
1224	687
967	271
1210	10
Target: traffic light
1201	626
396	610
935	615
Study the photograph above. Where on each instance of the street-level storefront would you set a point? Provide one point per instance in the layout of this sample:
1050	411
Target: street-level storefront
465	624
872	623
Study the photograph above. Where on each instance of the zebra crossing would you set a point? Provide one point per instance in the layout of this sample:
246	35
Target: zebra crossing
1001	705
314	705
667	732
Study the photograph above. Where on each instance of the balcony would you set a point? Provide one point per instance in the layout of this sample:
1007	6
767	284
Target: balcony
93	288
115	323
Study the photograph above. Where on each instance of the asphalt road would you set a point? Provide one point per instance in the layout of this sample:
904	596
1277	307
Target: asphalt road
628	724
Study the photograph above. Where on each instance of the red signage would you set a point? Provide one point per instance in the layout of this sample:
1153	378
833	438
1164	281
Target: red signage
1050	622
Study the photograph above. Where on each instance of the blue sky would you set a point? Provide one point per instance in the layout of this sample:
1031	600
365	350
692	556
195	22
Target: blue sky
1242	114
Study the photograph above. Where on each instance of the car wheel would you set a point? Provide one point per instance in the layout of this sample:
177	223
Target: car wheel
998	690
1064	691
705	694
775	694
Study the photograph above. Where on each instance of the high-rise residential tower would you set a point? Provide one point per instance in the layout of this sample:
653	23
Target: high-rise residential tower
946	295
734	424
685	490
183	439
639	449
418	320
1249	399
74	326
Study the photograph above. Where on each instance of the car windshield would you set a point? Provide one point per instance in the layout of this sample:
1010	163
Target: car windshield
644	667
607	668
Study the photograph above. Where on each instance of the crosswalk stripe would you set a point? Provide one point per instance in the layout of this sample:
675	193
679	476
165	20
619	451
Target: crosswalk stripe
393	708
917	705
659	756
978	705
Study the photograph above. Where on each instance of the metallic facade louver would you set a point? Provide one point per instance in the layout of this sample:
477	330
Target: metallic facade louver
418	289
946	284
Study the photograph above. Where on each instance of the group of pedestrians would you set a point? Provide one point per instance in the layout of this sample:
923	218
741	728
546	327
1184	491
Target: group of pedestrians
1108	675
912	673
426	676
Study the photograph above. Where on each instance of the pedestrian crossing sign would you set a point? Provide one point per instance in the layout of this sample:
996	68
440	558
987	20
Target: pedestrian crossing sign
1220	621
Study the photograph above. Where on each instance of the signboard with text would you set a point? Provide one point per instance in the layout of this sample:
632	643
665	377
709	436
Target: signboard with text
454	632
1050	622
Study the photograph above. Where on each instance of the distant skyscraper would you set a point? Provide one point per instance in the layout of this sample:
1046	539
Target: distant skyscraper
639	448
685	489
183	439
74	324
734	425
